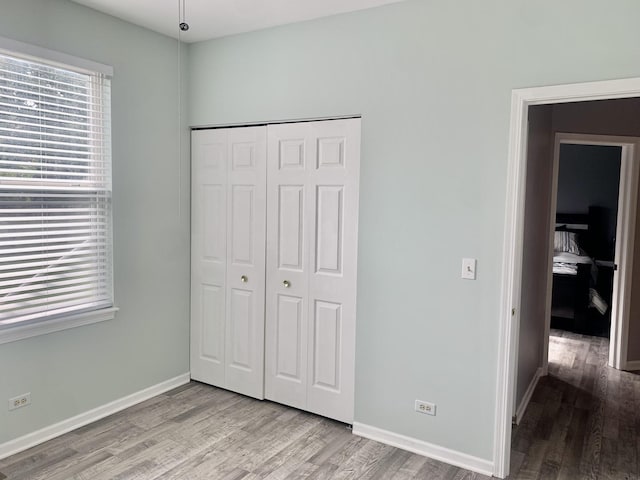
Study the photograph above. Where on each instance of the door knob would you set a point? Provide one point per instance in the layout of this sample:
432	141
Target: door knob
243	279
286	284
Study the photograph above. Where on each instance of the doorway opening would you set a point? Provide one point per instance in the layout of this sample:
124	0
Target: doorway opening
593	203
521	141
584	221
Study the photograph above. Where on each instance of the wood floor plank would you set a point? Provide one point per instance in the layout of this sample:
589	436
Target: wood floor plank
75	464
147	463
30	466
341	437
387	466
532	464
287	460
363	462
303	471
323	472
409	469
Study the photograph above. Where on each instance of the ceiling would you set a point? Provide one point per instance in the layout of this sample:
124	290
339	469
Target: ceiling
217	18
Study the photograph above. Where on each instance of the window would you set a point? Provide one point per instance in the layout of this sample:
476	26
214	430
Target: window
55	192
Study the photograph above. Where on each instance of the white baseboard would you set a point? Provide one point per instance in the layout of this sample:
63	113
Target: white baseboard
545	370
426	449
632	365
524	403
31	439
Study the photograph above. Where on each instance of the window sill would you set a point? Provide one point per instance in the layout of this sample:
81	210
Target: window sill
20	332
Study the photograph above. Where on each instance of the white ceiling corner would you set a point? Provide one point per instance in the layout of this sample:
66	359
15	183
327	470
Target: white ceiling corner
218	18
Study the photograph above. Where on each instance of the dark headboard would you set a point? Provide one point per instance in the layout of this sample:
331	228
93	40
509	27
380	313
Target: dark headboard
602	227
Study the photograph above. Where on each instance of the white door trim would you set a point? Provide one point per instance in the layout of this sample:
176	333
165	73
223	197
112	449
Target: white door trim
521	99
625	232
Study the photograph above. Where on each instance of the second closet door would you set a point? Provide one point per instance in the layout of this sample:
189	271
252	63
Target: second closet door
312	201
246	220
228	258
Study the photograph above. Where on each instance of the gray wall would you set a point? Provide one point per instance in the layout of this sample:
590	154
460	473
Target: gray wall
432	80
589	175
535	248
73	371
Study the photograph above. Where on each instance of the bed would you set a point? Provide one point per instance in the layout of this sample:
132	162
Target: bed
575	303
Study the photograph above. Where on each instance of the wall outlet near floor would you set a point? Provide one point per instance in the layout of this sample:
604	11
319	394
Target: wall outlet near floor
20	401
425	407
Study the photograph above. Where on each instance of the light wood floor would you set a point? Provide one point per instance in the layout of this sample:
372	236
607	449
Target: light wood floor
582	423
198	431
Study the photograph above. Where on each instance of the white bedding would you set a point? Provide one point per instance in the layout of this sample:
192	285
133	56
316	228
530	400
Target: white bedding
565	257
565	263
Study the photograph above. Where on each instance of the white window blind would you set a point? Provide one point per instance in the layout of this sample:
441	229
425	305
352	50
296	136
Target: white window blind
55	191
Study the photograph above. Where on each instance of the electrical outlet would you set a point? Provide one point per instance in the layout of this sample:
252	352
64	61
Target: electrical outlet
425	407
20	401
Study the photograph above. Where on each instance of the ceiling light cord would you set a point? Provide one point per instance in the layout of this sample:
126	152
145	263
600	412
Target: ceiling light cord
179	103
184	26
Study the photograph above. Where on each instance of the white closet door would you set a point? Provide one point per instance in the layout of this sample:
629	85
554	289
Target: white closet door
313	175
246	224
289	148
335	178
208	255
228	258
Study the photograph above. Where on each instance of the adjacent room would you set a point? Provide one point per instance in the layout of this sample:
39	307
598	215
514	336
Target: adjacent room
577	332
301	239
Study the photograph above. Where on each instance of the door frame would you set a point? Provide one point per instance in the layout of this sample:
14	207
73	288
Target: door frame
625	233
509	319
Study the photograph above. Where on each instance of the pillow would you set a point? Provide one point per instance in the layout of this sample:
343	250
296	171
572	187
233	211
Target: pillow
564	241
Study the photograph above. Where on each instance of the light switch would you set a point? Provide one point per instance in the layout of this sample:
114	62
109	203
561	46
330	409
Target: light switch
469	268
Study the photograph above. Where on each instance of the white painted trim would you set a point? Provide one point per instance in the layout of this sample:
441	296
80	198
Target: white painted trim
524	403
633	365
20	332
34	52
511	284
625	240
35	438
514	223
580	92
426	449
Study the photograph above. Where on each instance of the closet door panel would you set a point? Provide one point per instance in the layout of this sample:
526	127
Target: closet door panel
241	329
212	337
286	365
329	229
208	258
327	340
312	178
333	279
246	237
289	333
242	225
288	383
290	225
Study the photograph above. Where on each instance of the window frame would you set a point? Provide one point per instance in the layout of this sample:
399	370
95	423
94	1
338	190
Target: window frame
45	325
